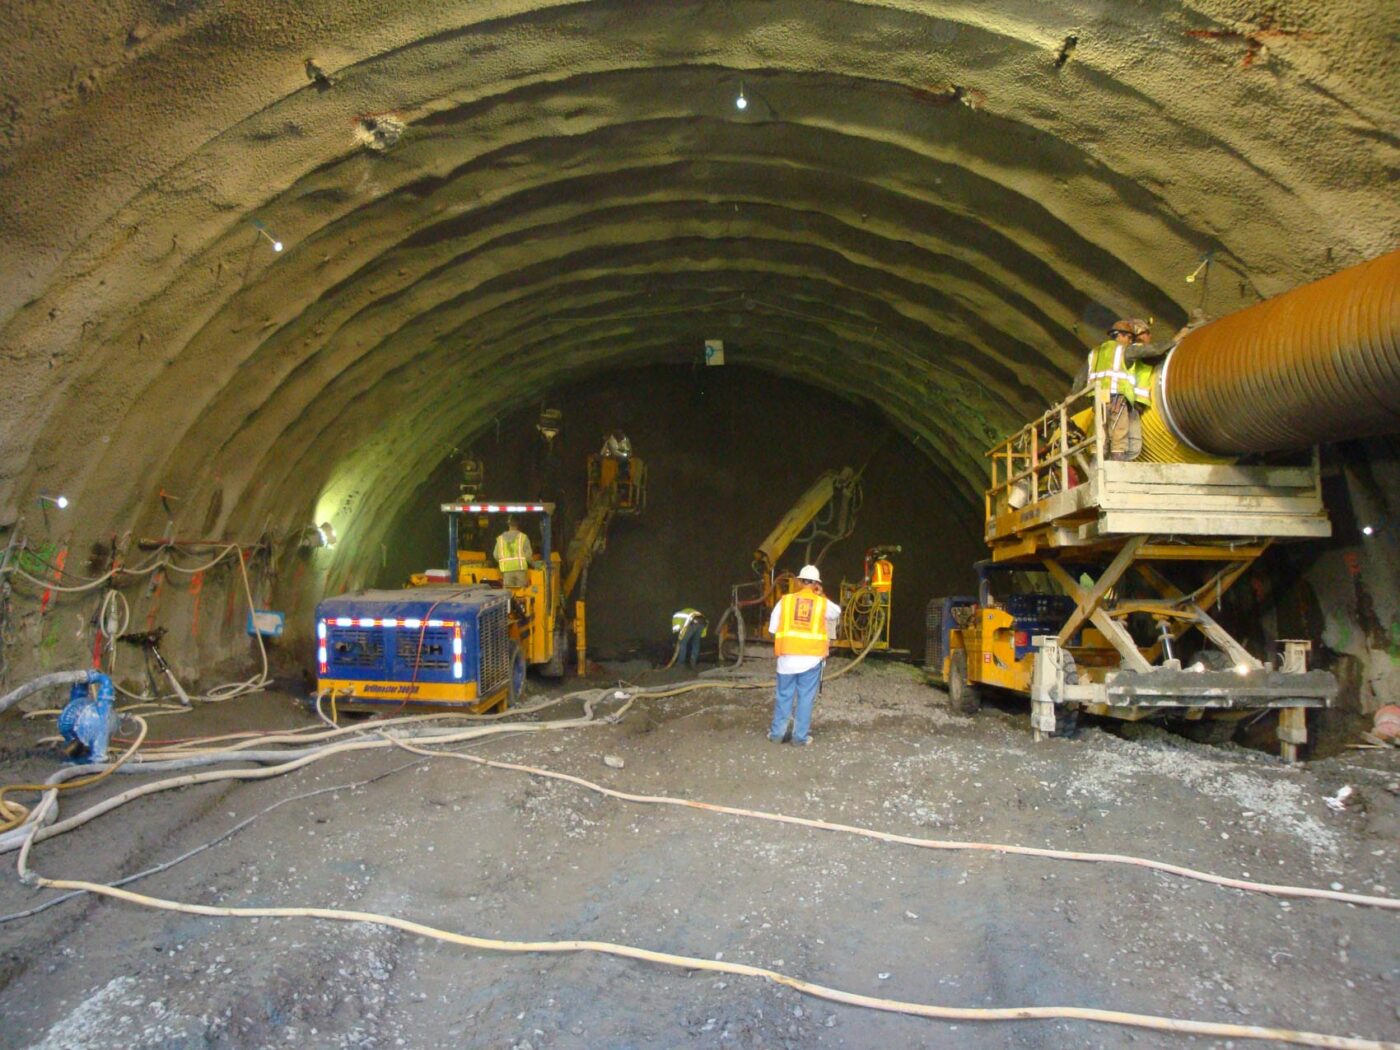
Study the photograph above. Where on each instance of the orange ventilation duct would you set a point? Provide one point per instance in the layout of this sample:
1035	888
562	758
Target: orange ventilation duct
1319	363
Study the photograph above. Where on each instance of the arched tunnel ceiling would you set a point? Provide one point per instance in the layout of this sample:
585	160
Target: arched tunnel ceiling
921	208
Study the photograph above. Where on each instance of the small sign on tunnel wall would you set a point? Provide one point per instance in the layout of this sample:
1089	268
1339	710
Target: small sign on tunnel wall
714	351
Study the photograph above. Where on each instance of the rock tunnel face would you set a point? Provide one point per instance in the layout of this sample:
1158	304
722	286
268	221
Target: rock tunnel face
269	266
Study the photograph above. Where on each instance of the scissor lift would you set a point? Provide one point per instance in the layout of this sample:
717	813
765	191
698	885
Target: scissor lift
1057	503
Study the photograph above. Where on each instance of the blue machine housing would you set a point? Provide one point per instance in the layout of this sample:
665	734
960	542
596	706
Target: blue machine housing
86	721
440	645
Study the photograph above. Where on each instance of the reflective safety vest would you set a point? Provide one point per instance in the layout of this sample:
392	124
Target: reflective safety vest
802	625
681	620
882	576
1109	372
512	552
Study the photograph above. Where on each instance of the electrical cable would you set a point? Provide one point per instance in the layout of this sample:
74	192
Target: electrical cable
34	832
167	865
162	560
296	759
286	761
1167	1024
1385	903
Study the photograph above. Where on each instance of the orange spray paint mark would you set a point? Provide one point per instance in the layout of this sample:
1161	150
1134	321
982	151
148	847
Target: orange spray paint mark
1255	41
58	563
228	606
196	589
157	585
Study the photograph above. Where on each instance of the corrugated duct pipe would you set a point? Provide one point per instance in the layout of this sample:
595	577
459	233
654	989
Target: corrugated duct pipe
1319	363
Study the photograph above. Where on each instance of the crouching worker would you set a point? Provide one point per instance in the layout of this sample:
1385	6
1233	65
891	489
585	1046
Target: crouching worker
687	627
802	624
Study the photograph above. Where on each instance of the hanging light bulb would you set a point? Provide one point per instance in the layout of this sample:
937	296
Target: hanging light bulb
60	502
741	102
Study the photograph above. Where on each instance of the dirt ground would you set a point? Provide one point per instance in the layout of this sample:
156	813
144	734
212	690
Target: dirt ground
503	854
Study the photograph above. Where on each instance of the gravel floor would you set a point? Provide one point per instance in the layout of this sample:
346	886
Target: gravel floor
504	854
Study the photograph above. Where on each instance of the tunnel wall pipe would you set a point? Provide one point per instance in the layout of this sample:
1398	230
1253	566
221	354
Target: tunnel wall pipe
1319	363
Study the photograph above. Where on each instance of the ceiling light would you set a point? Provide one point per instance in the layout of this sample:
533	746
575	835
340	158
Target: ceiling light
58	501
741	102
1367	530
276	244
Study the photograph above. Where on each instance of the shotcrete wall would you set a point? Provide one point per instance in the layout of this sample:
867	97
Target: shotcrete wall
266	264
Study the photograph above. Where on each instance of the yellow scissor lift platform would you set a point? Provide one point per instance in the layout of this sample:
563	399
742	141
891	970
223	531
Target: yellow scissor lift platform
1057	504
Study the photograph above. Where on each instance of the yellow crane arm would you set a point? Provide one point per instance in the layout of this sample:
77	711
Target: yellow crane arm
800	515
588	538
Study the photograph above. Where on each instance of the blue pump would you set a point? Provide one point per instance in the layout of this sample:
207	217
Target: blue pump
87	721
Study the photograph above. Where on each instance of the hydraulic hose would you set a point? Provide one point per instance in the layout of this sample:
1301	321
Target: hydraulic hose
1098	1015
1319	363
12	814
43	682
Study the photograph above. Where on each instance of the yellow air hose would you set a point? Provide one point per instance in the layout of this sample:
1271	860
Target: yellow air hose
238	751
13	813
947	1013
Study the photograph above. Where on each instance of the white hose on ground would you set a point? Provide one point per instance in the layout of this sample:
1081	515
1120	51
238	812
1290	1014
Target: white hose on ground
288	760
34	831
221	837
1272	889
285	761
627	951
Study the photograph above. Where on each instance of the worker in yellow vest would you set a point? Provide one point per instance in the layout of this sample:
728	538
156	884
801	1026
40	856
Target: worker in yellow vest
688	626
1118	368
513	553
802	624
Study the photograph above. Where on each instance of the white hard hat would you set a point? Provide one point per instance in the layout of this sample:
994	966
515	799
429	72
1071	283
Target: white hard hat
811	573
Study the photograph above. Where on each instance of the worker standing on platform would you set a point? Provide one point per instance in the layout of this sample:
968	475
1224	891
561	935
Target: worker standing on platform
619	448
802	624
688	626
513	553
1114	368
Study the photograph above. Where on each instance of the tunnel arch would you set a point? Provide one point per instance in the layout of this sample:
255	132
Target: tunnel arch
919	209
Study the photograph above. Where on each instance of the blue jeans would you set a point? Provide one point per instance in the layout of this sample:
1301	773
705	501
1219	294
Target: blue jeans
690	645
803	688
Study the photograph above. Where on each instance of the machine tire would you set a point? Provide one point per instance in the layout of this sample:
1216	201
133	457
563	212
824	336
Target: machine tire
559	659
518	670
1066	721
963	697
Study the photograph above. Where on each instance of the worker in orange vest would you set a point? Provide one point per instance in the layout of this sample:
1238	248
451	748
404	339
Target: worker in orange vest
801	625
